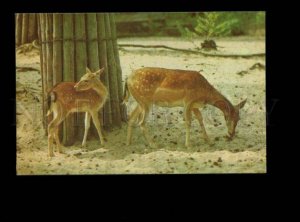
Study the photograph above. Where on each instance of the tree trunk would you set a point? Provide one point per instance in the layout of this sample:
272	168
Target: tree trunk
68	72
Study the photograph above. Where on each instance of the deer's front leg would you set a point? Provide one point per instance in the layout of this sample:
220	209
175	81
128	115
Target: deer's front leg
50	145
200	120
97	125
50	139
144	114
87	123
56	137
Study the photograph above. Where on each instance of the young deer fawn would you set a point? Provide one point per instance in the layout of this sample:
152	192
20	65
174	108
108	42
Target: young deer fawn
88	95
170	88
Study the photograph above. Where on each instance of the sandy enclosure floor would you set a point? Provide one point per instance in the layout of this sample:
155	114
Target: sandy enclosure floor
234	77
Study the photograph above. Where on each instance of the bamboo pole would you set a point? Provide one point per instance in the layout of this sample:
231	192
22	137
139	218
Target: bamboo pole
68	72
113	80
57	48
107	118
49	49
92	44
32	29
57	54
49	55
24	28
43	59
80	63
19	29
118	65
38	29
116	53
92	49
41	65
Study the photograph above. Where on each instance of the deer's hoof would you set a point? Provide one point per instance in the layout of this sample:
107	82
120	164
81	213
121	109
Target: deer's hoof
51	155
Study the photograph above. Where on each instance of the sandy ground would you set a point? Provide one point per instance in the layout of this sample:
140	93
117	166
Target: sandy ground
233	77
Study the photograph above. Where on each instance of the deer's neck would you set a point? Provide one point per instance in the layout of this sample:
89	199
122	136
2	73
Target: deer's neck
100	88
222	103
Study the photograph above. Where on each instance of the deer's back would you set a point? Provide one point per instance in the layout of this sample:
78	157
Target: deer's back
147	82
70	98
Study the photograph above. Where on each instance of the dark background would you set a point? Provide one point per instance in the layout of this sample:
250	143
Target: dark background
31	195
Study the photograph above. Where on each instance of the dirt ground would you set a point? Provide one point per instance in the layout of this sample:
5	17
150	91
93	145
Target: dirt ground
236	78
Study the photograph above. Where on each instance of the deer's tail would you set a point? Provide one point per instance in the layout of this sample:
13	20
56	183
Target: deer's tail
51	98
126	94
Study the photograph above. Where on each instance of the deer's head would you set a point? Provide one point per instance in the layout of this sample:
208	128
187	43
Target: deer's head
233	118
88	80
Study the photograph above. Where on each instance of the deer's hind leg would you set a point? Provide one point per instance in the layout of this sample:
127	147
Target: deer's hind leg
142	122
132	119
50	139
58	117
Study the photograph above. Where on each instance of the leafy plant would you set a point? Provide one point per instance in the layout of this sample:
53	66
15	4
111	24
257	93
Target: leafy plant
209	25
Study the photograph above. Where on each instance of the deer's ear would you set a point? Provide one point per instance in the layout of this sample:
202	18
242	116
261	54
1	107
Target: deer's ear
241	104
88	70
99	72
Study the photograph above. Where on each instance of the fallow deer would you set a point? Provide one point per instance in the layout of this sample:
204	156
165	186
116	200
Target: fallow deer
88	95
171	88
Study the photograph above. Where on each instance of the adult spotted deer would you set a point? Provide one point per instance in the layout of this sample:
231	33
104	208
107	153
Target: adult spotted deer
171	88
88	95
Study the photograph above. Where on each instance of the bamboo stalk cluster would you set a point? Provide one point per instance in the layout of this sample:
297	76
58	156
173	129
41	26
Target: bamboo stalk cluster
26	28
70	43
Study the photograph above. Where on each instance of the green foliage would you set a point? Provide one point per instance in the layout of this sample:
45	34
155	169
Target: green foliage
210	25
247	22
260	19
184	31
192	24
